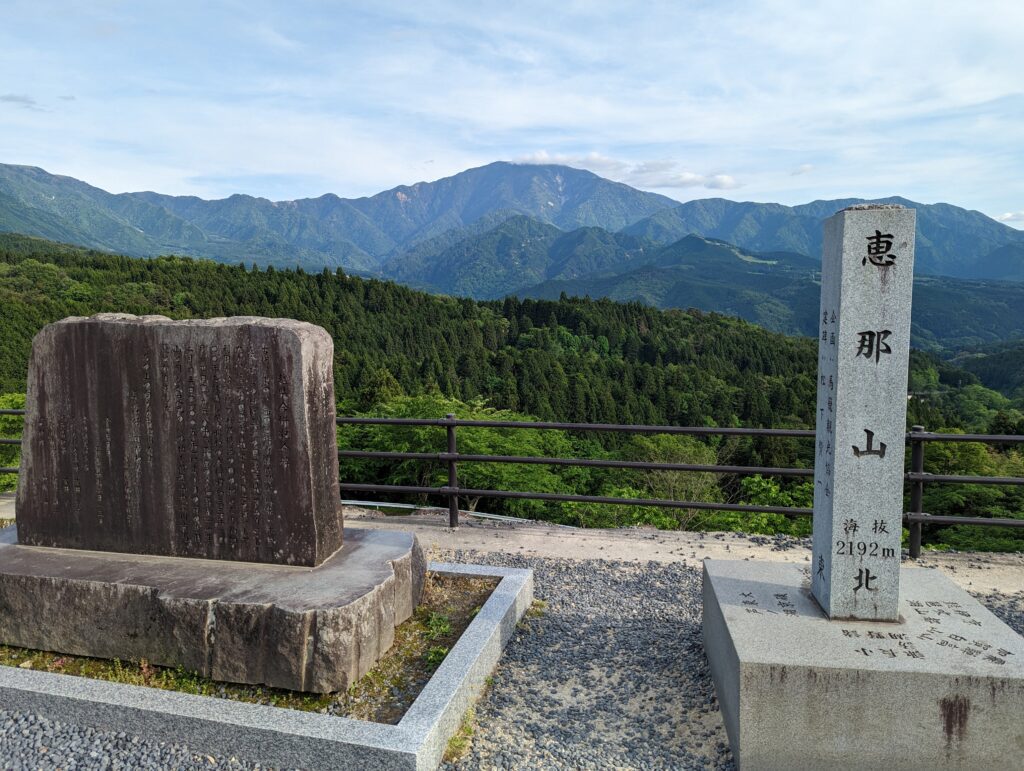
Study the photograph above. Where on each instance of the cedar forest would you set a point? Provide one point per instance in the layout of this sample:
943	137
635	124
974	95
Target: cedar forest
400	352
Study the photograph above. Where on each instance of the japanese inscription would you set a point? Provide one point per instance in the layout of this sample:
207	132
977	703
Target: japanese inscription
869	448
863	352
879	250
198	439
872	344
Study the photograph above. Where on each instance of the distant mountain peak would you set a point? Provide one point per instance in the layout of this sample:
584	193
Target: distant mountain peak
364	233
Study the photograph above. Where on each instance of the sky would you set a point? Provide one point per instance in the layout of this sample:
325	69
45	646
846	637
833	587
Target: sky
761	101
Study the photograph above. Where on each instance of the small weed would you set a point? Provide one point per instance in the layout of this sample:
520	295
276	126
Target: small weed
537	609
435	655
438	625
462	740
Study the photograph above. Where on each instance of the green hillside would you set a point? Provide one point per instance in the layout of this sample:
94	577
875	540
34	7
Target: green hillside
516	253
999	366
312	232
406	353
951	241
776	290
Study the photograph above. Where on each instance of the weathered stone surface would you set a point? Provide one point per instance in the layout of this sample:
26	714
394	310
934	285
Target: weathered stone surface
211	439
863	353
304	629
941	688
285	738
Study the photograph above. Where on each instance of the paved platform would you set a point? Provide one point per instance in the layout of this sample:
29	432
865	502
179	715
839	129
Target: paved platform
943	687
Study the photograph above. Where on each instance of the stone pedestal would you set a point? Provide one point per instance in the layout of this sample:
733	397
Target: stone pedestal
942	687
304	629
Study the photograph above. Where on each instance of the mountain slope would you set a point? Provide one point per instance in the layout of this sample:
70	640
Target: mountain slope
999	366
950	241
518	252
780	291
313	232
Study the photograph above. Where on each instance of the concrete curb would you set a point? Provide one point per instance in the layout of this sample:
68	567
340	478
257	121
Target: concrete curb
283	737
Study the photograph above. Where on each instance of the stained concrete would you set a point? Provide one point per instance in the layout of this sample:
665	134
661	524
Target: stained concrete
943	687
307	629
202	438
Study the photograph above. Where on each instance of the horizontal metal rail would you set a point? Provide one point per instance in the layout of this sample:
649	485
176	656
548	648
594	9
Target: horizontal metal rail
796	433
924	476
928	436
945	519
661	502
585	462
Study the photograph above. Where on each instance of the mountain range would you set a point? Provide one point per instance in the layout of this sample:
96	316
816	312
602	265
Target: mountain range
312	232
544	230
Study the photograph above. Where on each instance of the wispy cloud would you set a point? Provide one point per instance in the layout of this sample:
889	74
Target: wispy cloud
779	100
661	174
1015	218
268	35
24	101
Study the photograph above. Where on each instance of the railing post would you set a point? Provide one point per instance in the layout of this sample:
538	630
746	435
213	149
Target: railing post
916	490
453	474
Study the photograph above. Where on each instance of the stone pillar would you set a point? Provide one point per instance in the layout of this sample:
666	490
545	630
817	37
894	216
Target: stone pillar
863	356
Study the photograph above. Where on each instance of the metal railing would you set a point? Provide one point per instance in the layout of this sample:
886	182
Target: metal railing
917	478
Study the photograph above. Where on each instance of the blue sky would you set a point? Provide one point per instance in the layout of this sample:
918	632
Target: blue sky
767	101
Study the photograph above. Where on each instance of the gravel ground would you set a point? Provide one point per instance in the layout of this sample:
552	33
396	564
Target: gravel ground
612	674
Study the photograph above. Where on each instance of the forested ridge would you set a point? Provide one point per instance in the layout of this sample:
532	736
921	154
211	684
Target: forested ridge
578	360
403	352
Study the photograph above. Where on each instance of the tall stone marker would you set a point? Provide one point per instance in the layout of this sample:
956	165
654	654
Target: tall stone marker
847	660
212	439
863	356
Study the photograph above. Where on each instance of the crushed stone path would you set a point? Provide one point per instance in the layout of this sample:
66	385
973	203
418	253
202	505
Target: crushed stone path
610	674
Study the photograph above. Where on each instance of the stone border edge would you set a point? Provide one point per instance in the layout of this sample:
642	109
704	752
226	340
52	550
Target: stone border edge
284	737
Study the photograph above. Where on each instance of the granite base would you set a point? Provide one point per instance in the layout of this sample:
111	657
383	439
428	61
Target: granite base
943	687
305	629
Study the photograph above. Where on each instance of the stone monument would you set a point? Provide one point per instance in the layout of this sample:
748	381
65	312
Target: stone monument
202	439
178	502
863	360
852	662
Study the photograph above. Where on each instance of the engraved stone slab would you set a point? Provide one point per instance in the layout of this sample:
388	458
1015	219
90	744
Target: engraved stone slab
943	687
212	439
863	356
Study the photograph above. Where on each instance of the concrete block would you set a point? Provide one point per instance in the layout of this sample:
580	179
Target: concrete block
942	687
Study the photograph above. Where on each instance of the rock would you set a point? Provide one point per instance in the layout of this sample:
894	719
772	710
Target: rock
212	439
